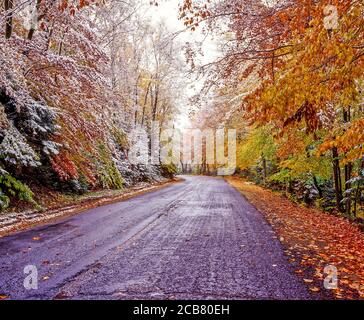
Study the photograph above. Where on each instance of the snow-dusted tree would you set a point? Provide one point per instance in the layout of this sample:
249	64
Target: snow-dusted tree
15	150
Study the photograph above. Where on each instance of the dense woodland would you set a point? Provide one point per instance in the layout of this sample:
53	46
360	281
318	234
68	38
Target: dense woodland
290	79
75	77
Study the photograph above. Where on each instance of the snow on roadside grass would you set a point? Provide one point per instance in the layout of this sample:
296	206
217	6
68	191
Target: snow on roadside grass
17	221
313	239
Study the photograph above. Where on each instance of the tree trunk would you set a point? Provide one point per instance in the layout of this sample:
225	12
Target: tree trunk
155	103
264	162
30	34
8	6
49	35
32	29
348	170
145	102
289	187
337	179
136	117
358	188
136	99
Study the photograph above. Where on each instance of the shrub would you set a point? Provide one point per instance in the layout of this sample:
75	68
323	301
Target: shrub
168	170
10	187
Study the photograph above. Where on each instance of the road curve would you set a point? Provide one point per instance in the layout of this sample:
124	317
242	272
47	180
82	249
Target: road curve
197	239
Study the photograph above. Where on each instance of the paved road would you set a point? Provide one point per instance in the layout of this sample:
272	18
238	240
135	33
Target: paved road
197	239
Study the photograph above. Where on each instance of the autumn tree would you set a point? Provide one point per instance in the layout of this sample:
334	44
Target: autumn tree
307	71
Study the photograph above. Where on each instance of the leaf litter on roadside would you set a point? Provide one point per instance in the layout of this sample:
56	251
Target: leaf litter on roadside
313	240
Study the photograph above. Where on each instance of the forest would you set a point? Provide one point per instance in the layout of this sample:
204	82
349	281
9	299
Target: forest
76	76
290	79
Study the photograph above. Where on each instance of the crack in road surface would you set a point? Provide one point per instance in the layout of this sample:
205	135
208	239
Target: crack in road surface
198	239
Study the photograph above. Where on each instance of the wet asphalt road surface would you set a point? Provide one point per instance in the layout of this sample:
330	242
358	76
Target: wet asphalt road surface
196	239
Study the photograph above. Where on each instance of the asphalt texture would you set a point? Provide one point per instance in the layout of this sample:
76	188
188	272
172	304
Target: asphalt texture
196	239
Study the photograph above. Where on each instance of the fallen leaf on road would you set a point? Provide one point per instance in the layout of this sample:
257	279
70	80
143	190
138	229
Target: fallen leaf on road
308	280
62	295
4	296
314	289
36	238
